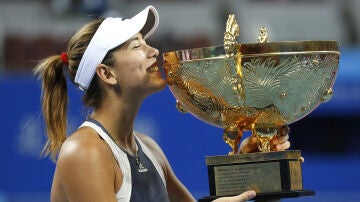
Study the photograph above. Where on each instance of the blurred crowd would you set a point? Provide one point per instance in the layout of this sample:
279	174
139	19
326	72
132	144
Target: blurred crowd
32	29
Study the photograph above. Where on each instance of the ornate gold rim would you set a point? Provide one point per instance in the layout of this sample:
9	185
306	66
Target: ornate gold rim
258	49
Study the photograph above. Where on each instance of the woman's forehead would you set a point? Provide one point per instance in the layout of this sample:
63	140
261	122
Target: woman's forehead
136	37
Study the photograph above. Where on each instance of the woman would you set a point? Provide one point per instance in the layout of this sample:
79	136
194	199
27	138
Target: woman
105	160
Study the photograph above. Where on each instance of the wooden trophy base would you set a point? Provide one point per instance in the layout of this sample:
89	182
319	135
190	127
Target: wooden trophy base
273	175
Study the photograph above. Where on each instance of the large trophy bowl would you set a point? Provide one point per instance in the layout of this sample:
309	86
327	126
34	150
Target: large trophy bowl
259	87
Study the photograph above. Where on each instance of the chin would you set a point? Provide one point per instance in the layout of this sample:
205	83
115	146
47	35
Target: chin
157	86
162	85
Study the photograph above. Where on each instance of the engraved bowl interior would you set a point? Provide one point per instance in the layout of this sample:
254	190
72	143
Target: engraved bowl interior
273	83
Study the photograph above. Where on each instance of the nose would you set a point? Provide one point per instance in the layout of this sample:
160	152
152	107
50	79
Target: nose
153	52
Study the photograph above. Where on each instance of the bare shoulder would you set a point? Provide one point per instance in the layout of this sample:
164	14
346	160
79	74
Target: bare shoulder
83	145
83	151
85	166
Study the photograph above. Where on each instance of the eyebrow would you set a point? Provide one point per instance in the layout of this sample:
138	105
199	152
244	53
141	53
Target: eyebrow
134	38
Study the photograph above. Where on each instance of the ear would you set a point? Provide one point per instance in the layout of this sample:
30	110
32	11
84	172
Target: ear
106	74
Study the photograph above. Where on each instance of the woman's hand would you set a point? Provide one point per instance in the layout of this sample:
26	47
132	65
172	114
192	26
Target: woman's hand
248	195
279	142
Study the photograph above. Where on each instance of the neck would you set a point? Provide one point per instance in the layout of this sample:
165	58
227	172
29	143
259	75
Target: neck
118	118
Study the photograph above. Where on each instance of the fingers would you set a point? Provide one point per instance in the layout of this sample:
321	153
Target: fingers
284	130
282	146
279	138
280	141
248	195
276	140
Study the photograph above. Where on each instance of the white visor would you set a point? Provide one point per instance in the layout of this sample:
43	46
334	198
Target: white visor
111	33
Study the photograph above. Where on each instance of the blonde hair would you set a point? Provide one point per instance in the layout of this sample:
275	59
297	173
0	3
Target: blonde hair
54	87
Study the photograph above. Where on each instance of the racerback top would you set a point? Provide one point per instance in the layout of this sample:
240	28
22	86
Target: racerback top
146	184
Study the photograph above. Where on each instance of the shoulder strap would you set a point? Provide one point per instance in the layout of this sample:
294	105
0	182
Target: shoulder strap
125	190
151	156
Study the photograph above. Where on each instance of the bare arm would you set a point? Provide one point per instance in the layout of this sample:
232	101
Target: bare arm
176	190
84	172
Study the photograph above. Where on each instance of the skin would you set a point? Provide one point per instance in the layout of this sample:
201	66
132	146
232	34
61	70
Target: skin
86	168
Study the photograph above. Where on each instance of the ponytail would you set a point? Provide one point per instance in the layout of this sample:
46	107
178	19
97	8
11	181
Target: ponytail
54	87
54	103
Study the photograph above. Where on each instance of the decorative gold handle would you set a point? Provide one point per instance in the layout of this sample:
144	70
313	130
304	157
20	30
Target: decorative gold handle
263	35
230	36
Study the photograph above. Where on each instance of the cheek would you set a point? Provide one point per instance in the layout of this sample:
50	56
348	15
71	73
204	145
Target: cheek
127	66
136	61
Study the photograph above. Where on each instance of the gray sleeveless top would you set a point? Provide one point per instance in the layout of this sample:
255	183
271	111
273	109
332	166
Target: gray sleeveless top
143	177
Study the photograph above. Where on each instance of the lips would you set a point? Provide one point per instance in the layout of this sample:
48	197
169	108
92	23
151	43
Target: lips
153	68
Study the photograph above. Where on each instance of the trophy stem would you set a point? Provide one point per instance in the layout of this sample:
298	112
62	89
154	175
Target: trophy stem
232	138
264	136
264	143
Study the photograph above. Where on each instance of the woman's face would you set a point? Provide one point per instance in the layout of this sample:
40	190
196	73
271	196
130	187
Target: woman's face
136	67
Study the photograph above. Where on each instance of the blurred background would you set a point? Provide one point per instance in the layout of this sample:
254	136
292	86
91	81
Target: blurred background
329	137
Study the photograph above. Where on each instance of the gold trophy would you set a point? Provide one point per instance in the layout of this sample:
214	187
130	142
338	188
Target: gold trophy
258	87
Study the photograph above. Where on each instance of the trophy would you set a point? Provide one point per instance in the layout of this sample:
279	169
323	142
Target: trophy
258	87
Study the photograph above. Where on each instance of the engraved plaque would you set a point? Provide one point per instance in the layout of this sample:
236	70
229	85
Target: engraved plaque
264	172
234	179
